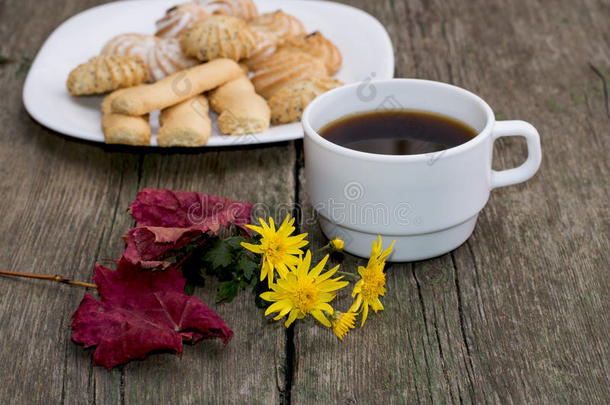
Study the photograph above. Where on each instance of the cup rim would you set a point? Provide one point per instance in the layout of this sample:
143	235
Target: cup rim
316	137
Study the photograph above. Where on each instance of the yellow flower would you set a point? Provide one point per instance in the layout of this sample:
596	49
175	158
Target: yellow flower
278	248
372	282
343	322
337	244
301	292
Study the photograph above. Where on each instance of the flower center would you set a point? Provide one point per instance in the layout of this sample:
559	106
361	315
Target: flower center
373	285
305	296
275	249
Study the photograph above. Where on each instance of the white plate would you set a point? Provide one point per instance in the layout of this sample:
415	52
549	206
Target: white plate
362	40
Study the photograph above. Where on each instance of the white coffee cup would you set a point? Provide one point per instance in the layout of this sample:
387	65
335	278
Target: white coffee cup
428	203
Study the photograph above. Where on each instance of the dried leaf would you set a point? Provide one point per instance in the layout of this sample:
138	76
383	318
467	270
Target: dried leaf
141	311
169	220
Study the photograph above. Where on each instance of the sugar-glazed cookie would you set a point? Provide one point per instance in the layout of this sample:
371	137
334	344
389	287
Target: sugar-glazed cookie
319	46
162	56
284	67
289	102
244	9
219	37
271	30
178	19
106	73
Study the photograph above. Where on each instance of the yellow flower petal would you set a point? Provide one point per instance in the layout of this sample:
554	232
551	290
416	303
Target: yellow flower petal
365	312
320	317
302	291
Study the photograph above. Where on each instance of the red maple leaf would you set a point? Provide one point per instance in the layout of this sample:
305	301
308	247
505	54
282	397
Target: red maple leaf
168	220
141	311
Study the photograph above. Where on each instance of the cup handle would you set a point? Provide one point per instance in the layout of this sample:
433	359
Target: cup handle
534	153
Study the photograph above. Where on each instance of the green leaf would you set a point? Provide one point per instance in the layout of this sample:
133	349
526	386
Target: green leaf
3	59
218	254
227	291
247	266
235	242
189	289
24	66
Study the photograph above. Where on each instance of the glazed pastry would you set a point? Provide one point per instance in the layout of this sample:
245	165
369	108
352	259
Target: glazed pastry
162	56
319	46
244	9
271	30
219	37
178	19
185	124
284	67
102	74
123	129
176	88
241	111
289	102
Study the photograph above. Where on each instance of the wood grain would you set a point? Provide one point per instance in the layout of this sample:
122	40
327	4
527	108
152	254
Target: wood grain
518	314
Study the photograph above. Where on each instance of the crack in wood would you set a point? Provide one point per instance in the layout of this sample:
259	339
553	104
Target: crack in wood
423	309
468	359
604	86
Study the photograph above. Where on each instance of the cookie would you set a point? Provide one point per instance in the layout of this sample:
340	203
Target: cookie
317	45
284	67
102	74
272	30
162	56
178	19
241	111
288	103
244	9
123	129
185	124
218	37
175	88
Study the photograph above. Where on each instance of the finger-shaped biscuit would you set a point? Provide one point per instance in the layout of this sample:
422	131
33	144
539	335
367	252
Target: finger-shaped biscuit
175	88
218	36
288	103
123	129
241	111
102	74
185	124
126	130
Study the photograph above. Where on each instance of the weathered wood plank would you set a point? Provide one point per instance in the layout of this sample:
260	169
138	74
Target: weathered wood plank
519	313
251	368
59	214
97	186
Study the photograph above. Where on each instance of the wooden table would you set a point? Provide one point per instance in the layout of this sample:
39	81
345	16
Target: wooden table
518	314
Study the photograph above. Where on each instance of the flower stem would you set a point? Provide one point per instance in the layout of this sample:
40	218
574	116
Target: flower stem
49	277
322	249
347	274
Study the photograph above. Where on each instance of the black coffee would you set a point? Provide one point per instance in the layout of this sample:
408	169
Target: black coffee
398	132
